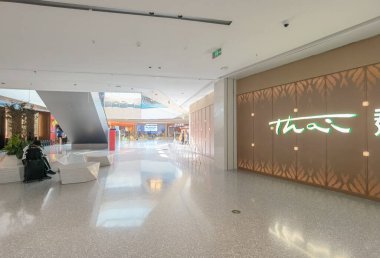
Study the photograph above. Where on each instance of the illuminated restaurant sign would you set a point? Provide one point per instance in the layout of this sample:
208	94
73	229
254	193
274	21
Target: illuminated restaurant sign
377	121
322	123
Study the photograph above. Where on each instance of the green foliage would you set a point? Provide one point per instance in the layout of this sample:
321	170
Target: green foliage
15	115
15	145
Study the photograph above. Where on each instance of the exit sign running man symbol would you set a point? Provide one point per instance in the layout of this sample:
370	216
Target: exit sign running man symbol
216	53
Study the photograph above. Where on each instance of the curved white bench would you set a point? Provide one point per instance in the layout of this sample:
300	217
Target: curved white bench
78	172
103	158
11	170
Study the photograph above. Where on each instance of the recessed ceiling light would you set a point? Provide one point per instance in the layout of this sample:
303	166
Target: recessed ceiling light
138	44
151	13
159	67
118	86
150	67
75	84
3	83
131	88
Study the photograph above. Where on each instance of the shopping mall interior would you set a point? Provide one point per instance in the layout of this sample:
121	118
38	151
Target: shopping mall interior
175	128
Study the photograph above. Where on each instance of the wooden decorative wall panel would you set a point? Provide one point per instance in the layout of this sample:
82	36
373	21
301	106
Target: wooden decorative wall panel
212	130
202	130
199	129
342	161
284	155
311	157
373	84
263	155
245	137
202	143
346	166
2	127
207	131
192	126
44	125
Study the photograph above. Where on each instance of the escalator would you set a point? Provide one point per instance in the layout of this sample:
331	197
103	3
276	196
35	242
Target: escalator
80	114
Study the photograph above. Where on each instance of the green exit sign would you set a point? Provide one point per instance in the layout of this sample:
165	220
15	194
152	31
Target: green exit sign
216	53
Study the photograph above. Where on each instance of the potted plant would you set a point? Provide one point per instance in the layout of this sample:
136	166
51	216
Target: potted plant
15	146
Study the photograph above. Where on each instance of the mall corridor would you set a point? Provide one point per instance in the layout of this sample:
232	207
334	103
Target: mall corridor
159	200
178	128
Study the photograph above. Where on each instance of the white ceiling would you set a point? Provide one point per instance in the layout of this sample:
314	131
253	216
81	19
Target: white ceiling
61	49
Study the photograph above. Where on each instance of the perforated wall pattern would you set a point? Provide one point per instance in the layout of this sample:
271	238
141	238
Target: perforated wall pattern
342	159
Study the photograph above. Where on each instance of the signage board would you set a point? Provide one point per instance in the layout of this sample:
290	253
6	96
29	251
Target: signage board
322	123
150	128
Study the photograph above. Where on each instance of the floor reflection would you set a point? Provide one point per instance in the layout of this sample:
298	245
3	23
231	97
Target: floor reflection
14	222
296	240
128	196
124	213
21	210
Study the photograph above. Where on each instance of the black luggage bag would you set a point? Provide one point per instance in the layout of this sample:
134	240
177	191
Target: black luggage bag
35	166
34	170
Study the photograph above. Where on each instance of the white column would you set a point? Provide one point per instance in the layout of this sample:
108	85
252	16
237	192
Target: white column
225	124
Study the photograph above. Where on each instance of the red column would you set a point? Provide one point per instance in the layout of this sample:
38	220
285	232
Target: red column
112	139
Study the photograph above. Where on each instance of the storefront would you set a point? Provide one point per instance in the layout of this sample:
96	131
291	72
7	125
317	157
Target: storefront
151	130
126	130
179	132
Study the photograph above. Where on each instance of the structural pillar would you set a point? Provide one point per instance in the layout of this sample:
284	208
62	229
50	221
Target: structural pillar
225	124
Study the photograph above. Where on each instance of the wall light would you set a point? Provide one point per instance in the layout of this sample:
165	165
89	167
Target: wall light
253	145
295	110
252	114
295	148
365	104
365	153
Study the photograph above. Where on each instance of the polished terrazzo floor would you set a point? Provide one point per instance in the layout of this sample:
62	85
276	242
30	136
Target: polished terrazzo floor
160	201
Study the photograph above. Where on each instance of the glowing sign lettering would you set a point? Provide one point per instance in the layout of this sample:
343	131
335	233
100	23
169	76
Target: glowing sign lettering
287	125
377	121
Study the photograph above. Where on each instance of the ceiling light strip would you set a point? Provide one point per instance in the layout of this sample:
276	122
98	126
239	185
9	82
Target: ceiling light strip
115	10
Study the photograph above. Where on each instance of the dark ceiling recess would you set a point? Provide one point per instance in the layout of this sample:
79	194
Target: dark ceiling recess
115	10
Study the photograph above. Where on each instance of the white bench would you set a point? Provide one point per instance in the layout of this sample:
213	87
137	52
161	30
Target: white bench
11	170
103	158
78	172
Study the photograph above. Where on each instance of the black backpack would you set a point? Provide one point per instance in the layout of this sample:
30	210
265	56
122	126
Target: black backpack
33	153
34	166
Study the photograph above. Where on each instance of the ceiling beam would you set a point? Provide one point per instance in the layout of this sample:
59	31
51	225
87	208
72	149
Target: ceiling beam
117	11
